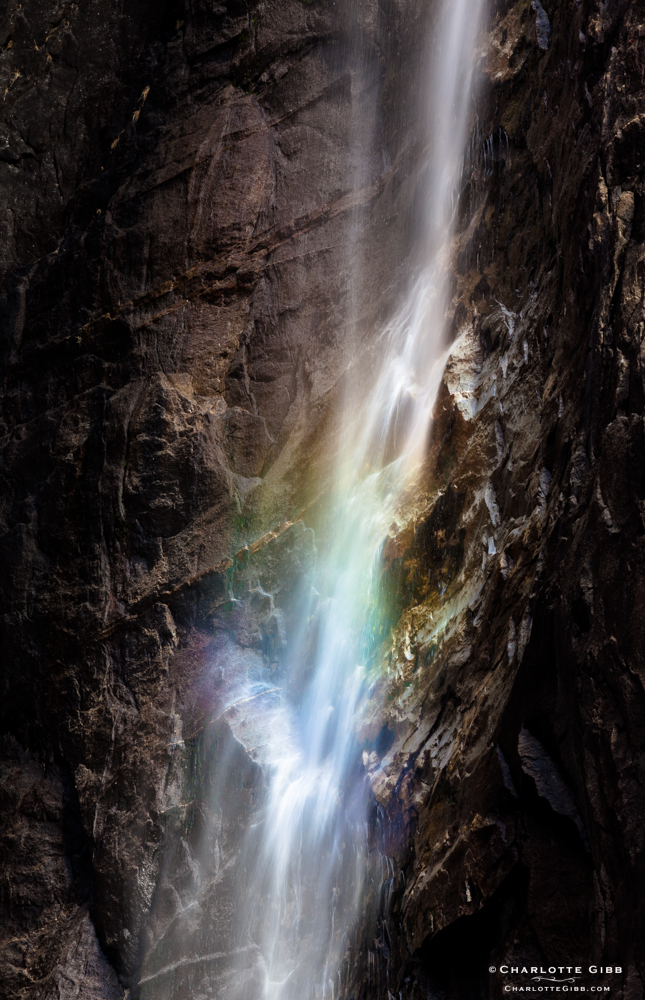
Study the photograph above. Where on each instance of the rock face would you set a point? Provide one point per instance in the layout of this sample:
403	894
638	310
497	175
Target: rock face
205	211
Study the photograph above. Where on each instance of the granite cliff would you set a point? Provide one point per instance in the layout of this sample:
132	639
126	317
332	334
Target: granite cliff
195	201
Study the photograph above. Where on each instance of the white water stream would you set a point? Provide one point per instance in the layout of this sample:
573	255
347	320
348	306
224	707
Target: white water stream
305	859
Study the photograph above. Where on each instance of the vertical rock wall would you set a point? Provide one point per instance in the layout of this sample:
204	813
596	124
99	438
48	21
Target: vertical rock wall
187	191
509	780
184	190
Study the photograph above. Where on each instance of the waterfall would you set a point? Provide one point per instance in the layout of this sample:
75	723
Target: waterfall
306	858
303	860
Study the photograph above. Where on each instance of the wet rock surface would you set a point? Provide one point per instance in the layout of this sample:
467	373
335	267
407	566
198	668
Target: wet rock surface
187	199
49	946
514	691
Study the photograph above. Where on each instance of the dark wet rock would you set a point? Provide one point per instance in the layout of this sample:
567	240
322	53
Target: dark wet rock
550	784
48	946
186	192
543	25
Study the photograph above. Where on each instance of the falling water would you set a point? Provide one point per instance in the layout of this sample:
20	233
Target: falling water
304	857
